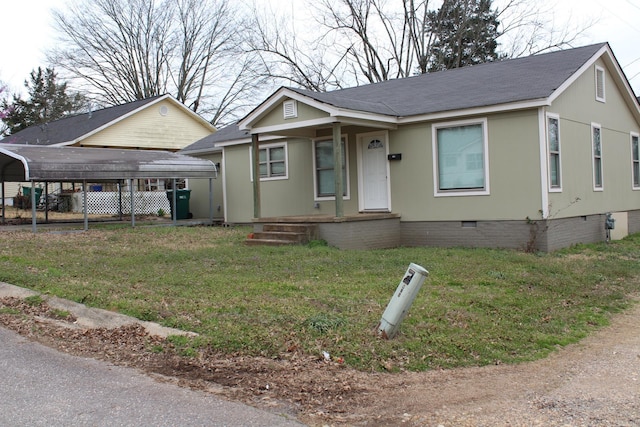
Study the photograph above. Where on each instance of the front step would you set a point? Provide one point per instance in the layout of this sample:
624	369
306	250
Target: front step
276	234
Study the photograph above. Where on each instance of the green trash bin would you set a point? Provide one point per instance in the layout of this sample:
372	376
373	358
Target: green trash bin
26	191
182	203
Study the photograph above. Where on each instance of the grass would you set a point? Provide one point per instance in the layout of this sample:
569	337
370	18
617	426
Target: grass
477	306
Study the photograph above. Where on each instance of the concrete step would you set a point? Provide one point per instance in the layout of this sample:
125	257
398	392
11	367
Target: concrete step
284	234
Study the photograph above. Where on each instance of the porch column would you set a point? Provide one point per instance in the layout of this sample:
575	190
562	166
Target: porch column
255	148
337	169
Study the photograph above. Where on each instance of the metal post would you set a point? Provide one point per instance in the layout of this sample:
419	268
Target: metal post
86	208
46	202
33	206
337	169
174	196
132	204
210	201
3	201
120	200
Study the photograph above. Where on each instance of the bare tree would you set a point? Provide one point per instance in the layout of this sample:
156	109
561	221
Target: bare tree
366	41
529	28
124	50
281	56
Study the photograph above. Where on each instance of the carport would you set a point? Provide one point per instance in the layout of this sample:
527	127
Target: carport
28	163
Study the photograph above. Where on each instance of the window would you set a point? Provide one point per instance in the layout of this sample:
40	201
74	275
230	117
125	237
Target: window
553	143
290	109
596	144
273	162
600	80
635	156
460	158
325	184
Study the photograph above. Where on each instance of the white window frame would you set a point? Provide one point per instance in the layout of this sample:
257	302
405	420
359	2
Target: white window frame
485	147
346	185
634	162
600	82
268	147
552	188
595	157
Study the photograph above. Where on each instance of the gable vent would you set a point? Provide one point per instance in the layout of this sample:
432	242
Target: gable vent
290	109
600	94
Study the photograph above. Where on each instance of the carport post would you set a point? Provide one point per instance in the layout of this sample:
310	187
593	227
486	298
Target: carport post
210	201
86	208
33	206
132	204
174	211
3	201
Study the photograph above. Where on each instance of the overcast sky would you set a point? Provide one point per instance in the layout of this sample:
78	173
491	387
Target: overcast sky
27	33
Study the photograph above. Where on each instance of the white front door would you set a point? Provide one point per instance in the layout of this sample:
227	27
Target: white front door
374	172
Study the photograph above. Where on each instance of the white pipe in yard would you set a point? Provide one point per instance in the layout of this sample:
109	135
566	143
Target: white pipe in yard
401	301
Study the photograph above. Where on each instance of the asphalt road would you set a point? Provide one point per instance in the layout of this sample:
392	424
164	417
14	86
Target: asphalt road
42	387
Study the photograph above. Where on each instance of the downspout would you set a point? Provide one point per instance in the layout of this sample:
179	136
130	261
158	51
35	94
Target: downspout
255	147
337	170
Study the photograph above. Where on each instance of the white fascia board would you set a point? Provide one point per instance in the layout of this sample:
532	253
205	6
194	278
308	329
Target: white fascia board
263	138
22	159
294	125
568	82
265	106
334	114
481	111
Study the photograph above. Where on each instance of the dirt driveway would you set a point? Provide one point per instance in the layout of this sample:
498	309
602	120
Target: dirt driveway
593	383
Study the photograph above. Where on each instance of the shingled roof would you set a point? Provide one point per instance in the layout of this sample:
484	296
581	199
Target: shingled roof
70	129
493	83
533	79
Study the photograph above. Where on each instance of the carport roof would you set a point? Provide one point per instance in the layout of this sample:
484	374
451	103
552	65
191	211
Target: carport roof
20	163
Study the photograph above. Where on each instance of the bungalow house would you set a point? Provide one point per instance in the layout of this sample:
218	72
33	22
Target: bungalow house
529	153
157	123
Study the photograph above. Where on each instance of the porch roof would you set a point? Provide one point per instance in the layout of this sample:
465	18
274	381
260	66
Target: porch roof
45	163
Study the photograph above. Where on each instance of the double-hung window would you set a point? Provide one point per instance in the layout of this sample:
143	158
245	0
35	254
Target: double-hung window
553	146
323	162
273	161
635	161
596	144
460	153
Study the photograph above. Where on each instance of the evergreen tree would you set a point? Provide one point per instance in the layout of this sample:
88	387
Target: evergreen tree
48	100
465	34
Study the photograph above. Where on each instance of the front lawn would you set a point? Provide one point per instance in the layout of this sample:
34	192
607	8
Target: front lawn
477	307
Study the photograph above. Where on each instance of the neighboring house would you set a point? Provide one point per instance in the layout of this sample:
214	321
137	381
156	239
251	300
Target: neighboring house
157	123
528	153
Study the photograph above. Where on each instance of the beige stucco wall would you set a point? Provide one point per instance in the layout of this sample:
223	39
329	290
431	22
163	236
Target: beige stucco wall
577	109
149	129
